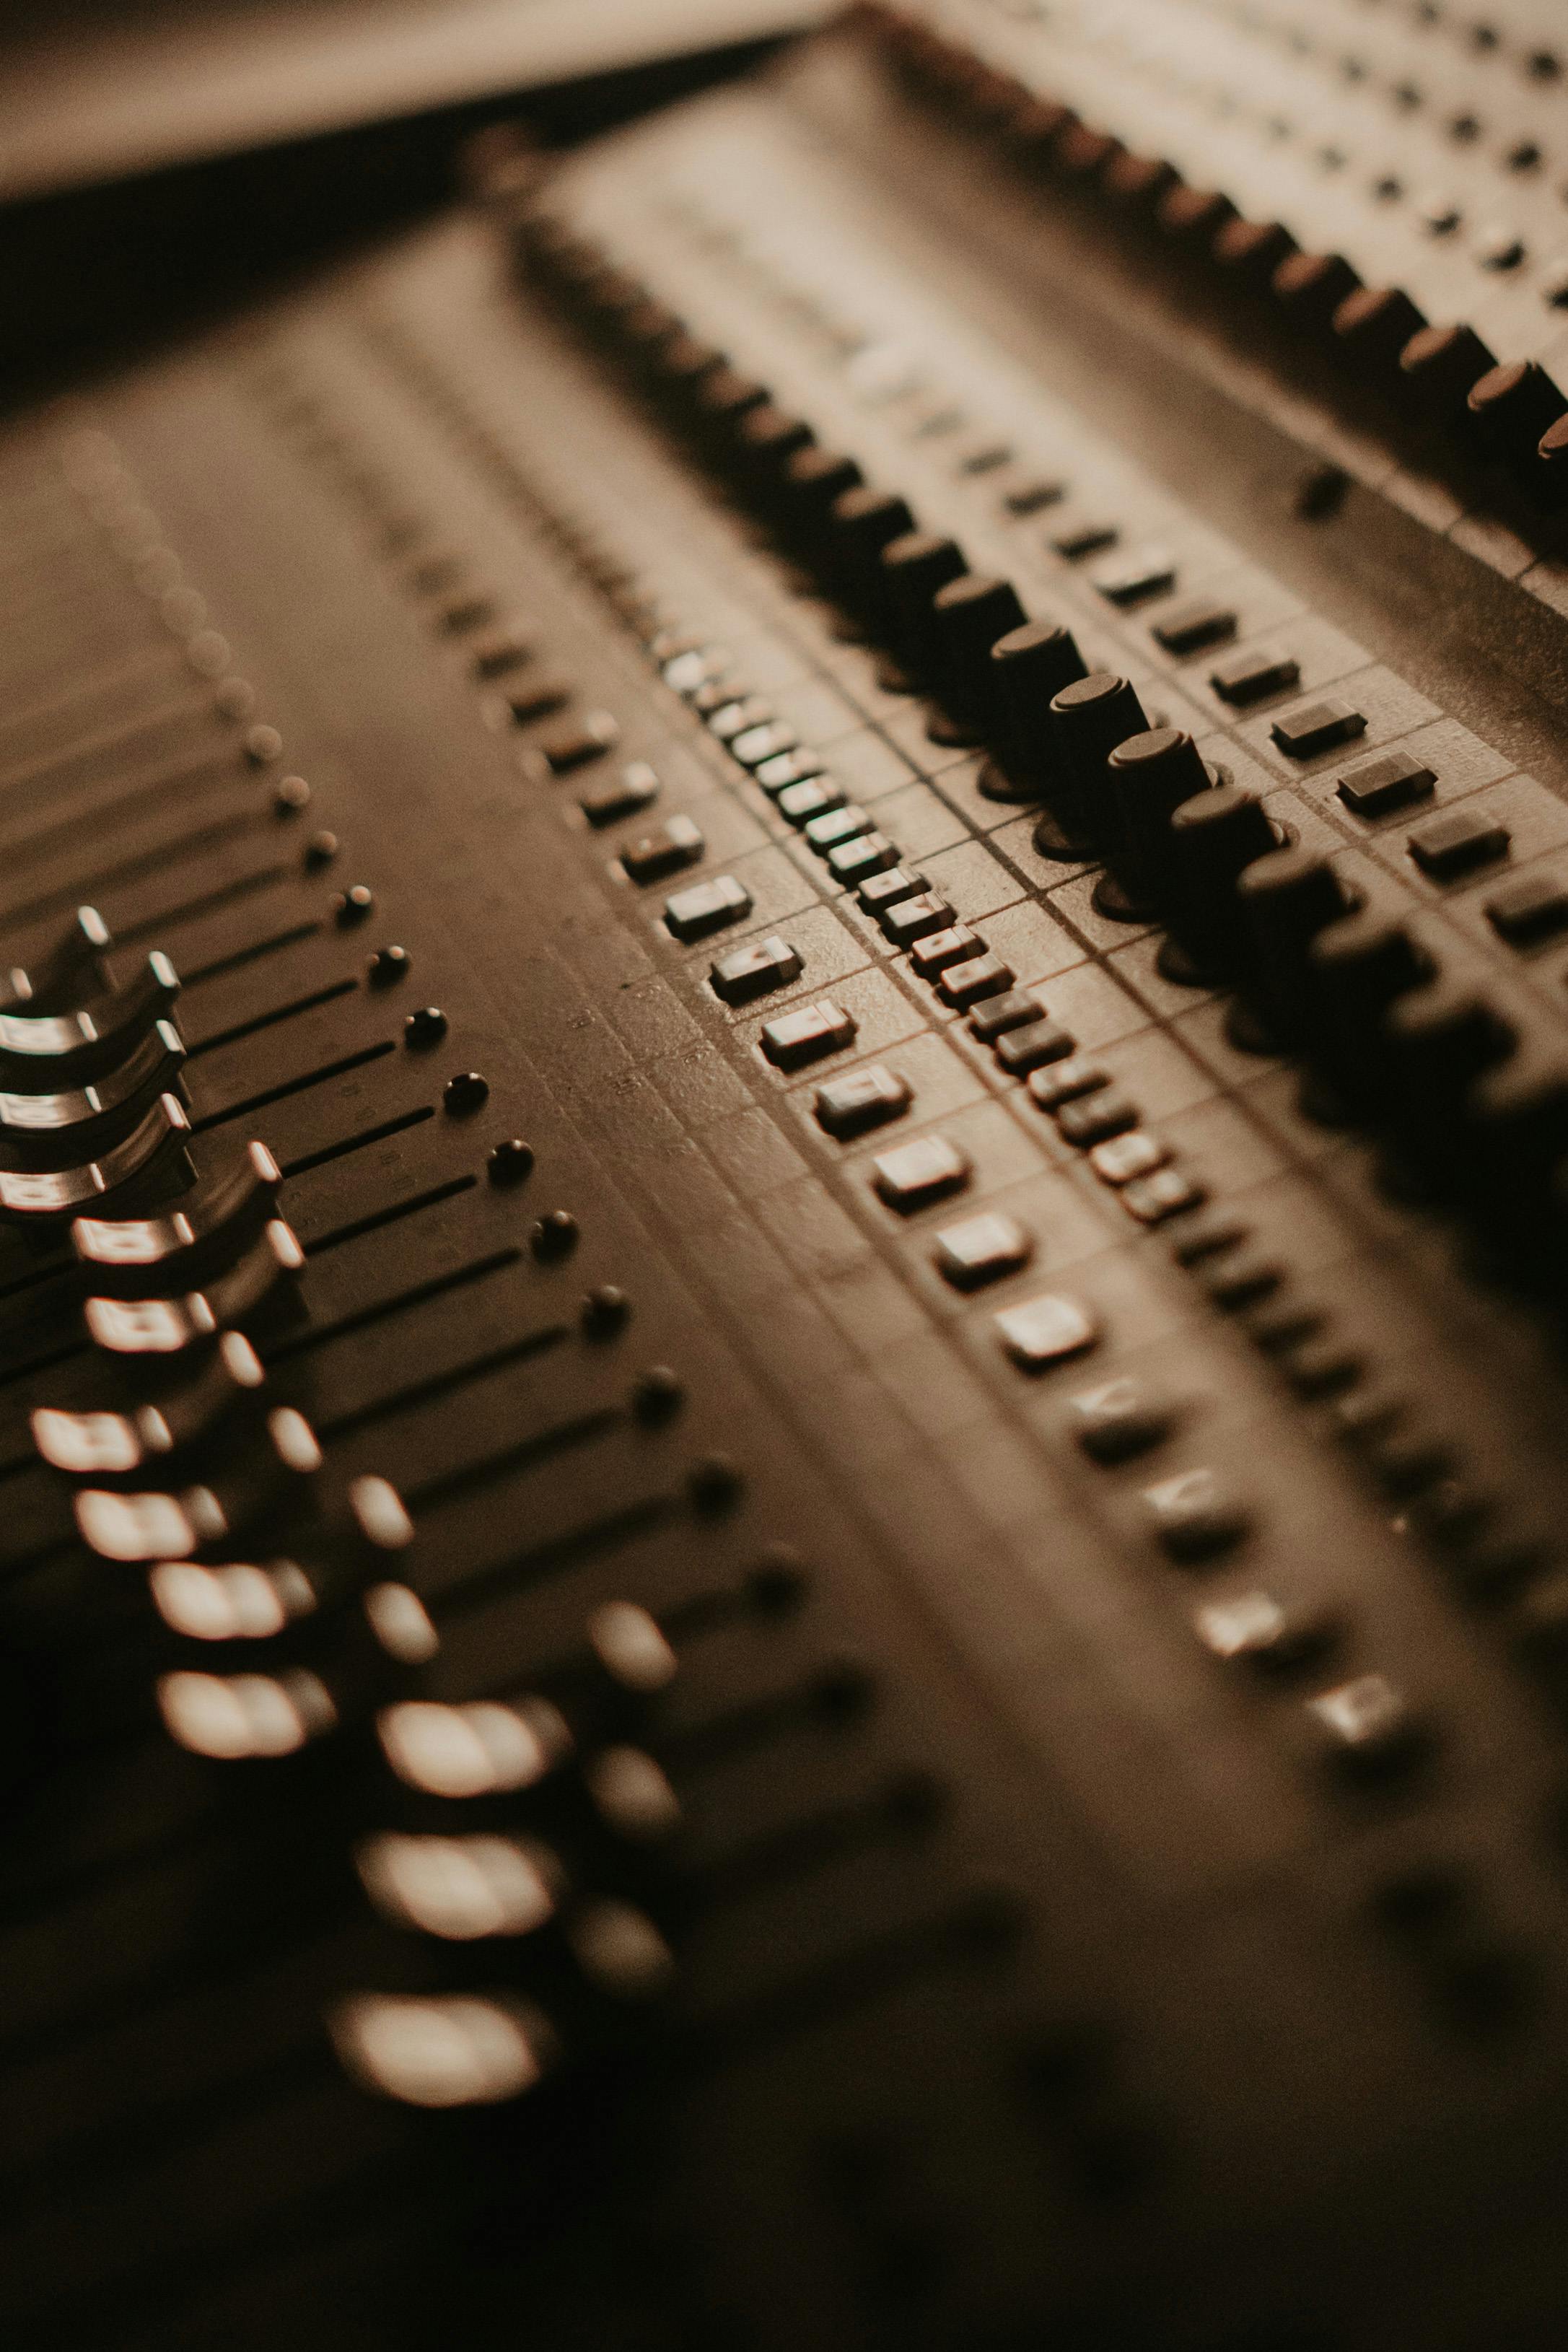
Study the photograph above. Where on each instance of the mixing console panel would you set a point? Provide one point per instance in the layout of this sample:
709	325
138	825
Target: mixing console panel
784	1148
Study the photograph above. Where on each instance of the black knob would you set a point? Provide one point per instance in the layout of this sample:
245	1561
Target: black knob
813	478
721	399
1440	1037
1373	326
1516	1117
1216	836
864	523
1515	406
681	365
1359	965
971	615
765	438
1443	365
915	567
1032	665
1089	719
1249	252
1152	775
1309	287
1286	899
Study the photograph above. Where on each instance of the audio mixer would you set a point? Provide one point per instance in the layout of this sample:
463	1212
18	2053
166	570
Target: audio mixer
784	1148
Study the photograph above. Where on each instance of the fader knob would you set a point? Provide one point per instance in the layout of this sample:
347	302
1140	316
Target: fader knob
1286	899
1215	837
971	615
1151	775
1032	665
1088	719
915	567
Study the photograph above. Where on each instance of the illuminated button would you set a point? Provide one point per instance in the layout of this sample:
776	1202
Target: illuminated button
866	1098
1046	1330
1119	1421
920	1173
755	970
707	906
806	1035
1193	1517
980	1250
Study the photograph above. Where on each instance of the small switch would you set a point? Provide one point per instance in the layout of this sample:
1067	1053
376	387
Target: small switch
994	1018
806	1035
1064	1082
934	953
1456	842
865	1098
1193	626
707	906
1121	1420
854	862
1046	1330
1379	786
1096	1118
1533	908
967	983
675	844
1193	1517
732	719
834	826
634	789
918	1173
912	919
1317	727
785	768
1128	1156
799	803
755	970
759	744
1248	677
888	889
980	1250
1019	1050
1256	1630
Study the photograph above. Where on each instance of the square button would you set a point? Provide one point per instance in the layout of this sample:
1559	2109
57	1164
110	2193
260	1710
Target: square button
707	906
1032	1044
1096	1118
920	1173
623	795
1317	727
982	976
756	744
806	1035
938	949
865	1098
1377	787
1167	1193
1120	1420
1246	678
676	843
913	917
999	1013
785	768
1064	1082
1456	842
888	889
1151	572
1193	1517
1046	1330
1129	1156
1533	908
981	1250
755	970
1189	628
826	832
799	803
852	861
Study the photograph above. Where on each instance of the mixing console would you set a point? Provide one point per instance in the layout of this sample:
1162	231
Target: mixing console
784	1139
